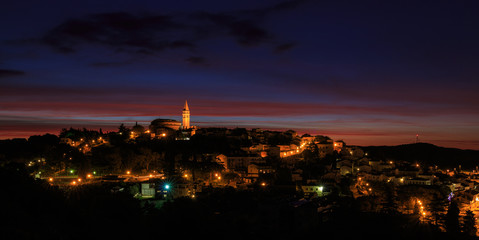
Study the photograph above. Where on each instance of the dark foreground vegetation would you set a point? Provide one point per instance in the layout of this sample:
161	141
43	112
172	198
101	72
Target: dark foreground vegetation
35	210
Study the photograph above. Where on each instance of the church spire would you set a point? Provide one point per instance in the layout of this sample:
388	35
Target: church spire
186	117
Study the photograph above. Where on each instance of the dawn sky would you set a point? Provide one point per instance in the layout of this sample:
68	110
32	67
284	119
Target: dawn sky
366	72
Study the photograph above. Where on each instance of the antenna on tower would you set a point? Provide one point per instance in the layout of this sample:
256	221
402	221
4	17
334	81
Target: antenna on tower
417	138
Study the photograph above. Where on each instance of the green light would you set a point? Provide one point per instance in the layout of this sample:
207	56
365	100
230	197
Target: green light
71	171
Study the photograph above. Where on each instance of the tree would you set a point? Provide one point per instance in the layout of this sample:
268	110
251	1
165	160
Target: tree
389	203
146	158
452	218
415	211
311	153
469	224
437	206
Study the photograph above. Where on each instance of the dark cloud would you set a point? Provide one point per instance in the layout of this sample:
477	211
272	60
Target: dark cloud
244	28
195	60
121	31
152	33
284	47
286	5
10	73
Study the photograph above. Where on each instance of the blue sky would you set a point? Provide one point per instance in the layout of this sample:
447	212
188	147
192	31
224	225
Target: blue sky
370	73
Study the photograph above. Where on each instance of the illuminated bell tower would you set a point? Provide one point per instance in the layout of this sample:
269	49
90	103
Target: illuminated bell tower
186	117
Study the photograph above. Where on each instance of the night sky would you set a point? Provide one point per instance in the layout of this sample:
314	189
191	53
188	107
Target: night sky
367	72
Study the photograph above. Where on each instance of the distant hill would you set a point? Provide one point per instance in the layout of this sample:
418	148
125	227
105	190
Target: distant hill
425	153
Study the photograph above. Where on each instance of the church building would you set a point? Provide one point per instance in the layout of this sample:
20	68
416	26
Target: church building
165	128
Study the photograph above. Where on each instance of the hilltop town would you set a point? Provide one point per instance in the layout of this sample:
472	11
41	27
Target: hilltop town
170	161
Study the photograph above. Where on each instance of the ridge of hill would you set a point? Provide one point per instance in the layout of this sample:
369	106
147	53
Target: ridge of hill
426	153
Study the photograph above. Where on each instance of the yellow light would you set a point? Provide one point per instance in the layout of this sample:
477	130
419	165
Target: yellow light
219	178
128	172
186	175
79	179
263	184
88	175
164	134
151	175
50	179
74	183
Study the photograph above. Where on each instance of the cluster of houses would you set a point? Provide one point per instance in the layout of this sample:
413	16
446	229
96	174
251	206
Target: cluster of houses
257	160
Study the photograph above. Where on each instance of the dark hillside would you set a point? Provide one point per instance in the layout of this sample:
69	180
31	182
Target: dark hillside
425	153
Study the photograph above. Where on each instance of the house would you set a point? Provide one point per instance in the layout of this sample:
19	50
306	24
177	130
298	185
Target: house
239	163
406	171
257	169
345	170
315	190
325	148
148	189
364	168
417	181
473	198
